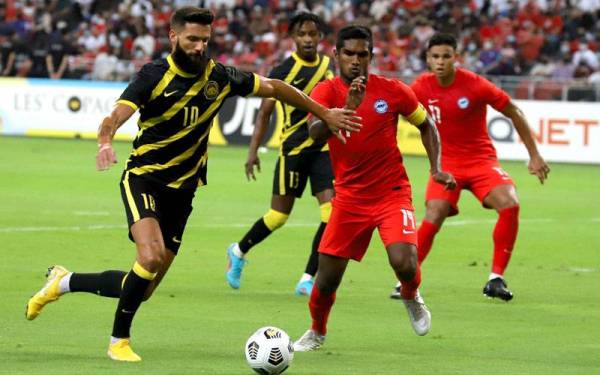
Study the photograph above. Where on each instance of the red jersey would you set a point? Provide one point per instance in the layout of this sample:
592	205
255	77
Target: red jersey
459	112
369	165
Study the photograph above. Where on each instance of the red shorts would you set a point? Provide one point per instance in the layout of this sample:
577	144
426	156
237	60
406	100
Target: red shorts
480	180
348	232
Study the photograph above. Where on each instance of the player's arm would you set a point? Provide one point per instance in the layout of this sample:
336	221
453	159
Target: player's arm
50	66
10	62
260	127
106	154
537	165
320	132
58	73
431	142
336	119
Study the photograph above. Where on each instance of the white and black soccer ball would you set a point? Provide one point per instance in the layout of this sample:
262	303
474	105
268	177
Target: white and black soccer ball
269	351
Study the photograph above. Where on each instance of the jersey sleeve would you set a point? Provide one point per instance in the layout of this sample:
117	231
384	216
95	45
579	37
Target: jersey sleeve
492	94
409	105
138	92
242	83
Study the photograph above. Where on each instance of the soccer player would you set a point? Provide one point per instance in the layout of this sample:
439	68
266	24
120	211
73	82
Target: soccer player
457	101
178	98
300	158
372	189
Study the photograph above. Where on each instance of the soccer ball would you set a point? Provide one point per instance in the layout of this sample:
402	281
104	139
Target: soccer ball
269	351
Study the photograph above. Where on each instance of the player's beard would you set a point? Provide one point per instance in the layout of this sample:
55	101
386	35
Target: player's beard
190	63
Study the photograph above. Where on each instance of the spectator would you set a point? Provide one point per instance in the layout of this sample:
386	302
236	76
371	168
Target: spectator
59	50
7	52
586	56
254	32
543	67
489	55
105	65
39	55
564	69
144	41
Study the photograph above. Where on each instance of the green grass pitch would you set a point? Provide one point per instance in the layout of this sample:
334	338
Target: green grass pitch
56	209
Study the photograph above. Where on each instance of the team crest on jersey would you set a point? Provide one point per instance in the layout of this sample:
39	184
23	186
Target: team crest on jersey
380	106
211	90
463	102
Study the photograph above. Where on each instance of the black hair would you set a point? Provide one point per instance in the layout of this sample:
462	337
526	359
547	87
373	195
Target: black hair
354	32
191	15
300	18
442	39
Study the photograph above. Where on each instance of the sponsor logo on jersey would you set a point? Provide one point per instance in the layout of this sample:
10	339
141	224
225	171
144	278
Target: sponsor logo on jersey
463	102
211	90
380	106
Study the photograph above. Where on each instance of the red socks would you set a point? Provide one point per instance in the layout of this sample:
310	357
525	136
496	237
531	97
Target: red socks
505	235
425	236
409	288
320	306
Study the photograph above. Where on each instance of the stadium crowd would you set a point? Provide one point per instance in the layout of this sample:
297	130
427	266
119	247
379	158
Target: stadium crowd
109	40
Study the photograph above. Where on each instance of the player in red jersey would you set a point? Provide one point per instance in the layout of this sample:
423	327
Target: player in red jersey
456	100
372	189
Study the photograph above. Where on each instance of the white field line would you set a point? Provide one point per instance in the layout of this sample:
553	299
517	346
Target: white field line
92	227
583	270
91	213
75	228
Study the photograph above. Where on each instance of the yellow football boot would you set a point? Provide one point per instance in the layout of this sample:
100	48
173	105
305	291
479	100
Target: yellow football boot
49	293
121	351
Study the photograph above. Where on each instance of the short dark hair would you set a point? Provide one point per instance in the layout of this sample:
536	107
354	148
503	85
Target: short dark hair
354	32
442	39
300	18
191	15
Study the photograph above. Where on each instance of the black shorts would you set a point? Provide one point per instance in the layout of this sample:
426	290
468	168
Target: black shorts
292	173
170	207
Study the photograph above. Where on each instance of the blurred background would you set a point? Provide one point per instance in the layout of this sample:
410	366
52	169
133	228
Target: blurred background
534	49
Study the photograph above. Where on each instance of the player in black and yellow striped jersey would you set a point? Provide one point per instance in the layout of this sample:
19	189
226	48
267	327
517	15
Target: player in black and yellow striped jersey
300	158
178	98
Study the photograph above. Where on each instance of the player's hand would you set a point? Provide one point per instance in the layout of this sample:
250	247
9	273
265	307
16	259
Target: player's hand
445	179
252	161
340	119
356	93
105	157
537	166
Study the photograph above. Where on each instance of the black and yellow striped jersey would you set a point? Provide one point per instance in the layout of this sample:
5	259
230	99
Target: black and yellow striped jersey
303	75
176	114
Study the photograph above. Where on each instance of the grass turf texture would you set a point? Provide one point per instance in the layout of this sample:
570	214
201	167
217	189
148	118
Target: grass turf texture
56	209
